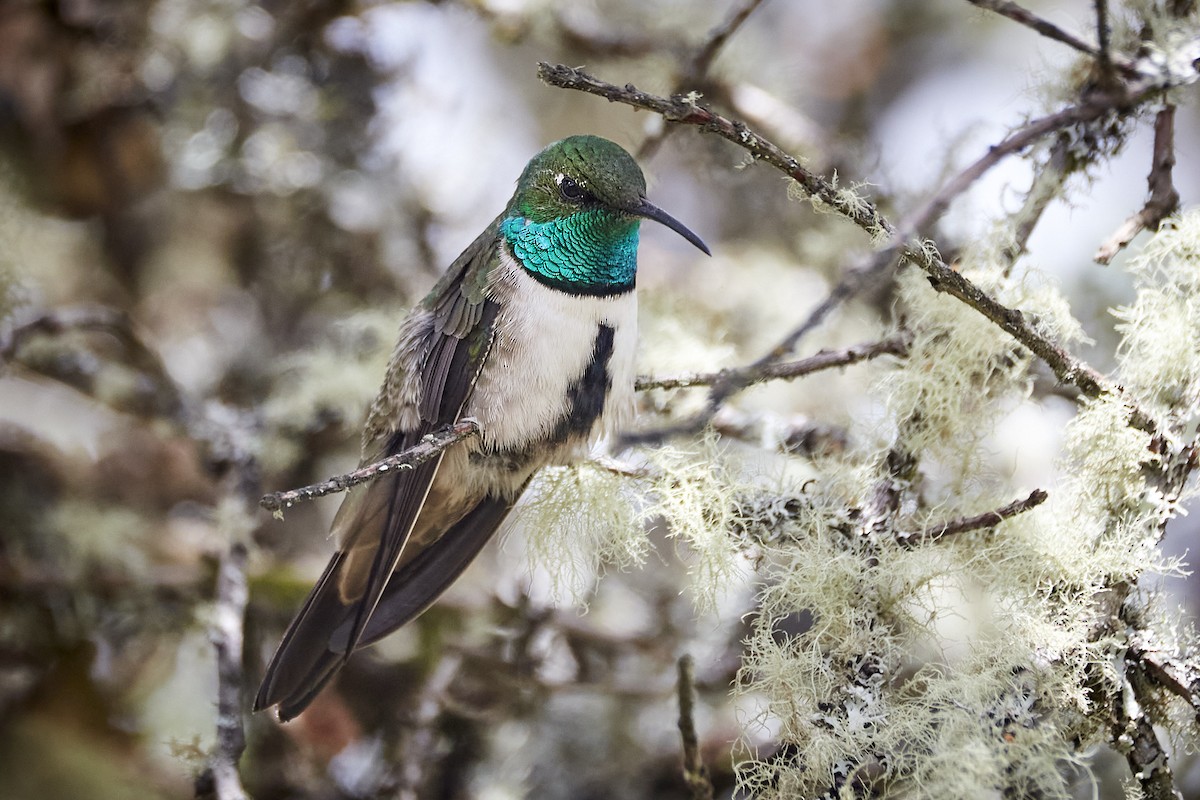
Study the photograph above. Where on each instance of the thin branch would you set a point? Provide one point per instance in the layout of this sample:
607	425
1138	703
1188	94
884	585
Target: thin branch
1033	131
227	638
716	39
1103	33
685	111
1164	198
863	213
1047	184
696	74
429	447
749	375
988	519
1024	16
852	282
695	773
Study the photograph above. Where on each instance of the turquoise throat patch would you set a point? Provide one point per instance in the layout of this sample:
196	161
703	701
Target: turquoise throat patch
589	252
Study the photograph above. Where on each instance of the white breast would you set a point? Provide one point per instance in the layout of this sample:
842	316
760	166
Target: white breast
543	343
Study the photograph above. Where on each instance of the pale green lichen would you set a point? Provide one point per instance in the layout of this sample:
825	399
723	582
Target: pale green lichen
967	668
696	493
1160	348
579	521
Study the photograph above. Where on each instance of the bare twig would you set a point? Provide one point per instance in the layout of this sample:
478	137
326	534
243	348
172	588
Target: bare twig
685	111
1103	32
429	447
1024	16
696	73
863	213
716	39
825	359
227	638
695	773
1164	199
853	281
1089	110
986	520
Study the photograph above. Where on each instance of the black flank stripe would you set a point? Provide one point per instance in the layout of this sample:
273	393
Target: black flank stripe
586	396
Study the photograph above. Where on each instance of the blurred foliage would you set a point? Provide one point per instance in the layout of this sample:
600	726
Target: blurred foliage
212	215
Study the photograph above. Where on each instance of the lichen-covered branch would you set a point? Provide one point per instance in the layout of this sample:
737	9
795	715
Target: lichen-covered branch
1175	673
1068	368
1134	733
429	447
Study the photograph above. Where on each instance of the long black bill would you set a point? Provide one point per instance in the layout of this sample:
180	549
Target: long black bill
650	211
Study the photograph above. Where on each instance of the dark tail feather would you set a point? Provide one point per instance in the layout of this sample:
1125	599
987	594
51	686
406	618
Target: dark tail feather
304	663
315	645
416	585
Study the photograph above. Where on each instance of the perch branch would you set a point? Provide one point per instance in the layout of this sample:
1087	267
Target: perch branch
986	520
430	446
695	773
823	360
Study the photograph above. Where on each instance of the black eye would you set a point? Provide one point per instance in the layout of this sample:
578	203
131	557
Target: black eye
572	191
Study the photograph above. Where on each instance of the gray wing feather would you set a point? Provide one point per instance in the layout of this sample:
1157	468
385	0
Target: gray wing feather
378	518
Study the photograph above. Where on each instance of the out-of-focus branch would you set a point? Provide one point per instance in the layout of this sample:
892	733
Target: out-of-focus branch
430	446
943	278
695	773
1024	16
227	638
716	39
696	73
1164	198
988	519
1103	32
1047	184
99	319
823	360
796	435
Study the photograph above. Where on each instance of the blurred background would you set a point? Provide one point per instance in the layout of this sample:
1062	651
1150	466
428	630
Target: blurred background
213	216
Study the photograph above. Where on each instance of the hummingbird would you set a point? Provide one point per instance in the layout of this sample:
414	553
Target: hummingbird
531	333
